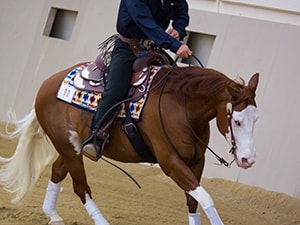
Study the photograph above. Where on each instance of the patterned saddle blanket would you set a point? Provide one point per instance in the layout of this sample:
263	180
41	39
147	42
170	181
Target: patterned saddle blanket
88	100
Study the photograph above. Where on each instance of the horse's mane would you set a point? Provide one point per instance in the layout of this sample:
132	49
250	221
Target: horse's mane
196	80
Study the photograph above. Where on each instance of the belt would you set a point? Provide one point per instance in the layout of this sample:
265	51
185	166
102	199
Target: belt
134	44
137	45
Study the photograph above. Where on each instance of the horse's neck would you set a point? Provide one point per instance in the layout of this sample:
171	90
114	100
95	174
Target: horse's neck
199	91
201	110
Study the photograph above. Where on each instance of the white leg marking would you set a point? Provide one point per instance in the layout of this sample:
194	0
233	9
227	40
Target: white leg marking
56	220
194	218
75	141
207	204
94	212
49	206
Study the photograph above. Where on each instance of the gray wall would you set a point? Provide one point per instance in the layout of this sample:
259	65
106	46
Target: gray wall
28	56
240	43
243	47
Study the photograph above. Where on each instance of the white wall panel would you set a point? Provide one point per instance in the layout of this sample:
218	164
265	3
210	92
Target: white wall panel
287	11
250	36
244	46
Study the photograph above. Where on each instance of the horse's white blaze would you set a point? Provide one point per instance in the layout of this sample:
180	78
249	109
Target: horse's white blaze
242	128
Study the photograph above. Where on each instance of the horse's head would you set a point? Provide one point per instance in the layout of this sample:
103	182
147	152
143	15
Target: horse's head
236	119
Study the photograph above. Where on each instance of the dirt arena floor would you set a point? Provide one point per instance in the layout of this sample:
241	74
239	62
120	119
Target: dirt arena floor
159	201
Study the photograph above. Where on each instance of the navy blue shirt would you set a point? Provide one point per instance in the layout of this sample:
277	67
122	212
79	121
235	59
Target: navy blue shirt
149	19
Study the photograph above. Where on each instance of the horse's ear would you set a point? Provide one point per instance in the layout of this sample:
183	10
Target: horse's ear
234	90
252	84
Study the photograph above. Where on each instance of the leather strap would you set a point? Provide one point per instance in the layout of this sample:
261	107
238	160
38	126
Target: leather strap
134	44
136	138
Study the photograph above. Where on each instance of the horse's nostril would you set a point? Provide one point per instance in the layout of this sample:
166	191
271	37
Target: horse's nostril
244	160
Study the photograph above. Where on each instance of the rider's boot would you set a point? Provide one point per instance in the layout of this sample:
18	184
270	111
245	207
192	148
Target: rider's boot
116	88
92	147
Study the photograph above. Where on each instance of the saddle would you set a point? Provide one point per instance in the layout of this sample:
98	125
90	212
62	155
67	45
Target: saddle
93	76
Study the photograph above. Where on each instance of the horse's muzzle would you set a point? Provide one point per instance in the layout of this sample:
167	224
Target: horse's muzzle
245	162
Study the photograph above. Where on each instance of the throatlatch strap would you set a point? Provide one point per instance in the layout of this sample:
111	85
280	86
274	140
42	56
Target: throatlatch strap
136	138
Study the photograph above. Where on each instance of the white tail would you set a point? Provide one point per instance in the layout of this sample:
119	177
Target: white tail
19	173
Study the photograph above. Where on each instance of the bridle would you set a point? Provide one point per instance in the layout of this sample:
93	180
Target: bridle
233	148
221	160
229	111
232	138
163	81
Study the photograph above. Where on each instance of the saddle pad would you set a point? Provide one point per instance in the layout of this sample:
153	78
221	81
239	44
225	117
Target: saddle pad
89	100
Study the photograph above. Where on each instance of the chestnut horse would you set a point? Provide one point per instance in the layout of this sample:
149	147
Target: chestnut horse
174	125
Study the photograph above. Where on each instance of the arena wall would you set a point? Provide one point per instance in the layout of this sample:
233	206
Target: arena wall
236	37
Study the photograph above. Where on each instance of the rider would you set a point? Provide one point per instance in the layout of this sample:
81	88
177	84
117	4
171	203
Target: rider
138	20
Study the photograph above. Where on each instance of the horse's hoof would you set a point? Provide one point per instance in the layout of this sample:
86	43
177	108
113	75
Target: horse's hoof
56	223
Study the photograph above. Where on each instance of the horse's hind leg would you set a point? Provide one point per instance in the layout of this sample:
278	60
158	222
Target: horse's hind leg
59	172
82	189
74	164
60	169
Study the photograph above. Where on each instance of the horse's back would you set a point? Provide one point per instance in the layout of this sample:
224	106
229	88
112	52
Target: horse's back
58	118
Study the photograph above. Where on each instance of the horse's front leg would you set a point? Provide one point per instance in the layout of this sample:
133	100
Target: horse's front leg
201	196
59	172
186	179
207	205
193	216
197	169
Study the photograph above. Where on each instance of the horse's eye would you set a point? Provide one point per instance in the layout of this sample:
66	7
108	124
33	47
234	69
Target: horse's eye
237	122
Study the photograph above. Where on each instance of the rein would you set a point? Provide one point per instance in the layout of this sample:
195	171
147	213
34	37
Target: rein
163	81
233	148
220	159
229	116
164	78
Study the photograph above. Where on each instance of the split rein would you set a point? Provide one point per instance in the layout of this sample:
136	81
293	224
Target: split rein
229	116
233	148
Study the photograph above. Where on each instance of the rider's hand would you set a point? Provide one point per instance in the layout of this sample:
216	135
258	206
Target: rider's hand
184	51
174	33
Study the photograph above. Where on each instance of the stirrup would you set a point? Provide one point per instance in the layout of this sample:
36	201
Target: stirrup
92	147
92	151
